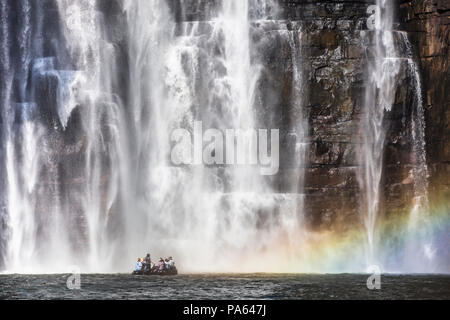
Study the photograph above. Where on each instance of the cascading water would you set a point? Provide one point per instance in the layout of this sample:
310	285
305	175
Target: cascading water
20	134
91	93
87	156
420	250
383	68
30	167
391	50
4	96
207	74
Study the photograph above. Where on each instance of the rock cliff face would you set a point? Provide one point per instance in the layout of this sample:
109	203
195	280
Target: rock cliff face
427	23
335	57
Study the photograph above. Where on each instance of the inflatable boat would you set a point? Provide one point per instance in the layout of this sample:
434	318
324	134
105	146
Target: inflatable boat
156	272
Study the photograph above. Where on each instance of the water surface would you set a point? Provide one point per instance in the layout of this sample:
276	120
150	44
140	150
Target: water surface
225	286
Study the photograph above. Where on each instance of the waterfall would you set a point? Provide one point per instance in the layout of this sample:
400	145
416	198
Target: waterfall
103	130
30	169
108	112
86	146
392	51
382	70
420	250
20	136
207	73
5	87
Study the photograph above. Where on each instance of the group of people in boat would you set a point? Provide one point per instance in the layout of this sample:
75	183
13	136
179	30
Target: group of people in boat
146	265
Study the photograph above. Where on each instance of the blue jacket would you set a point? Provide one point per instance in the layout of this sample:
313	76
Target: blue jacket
138	266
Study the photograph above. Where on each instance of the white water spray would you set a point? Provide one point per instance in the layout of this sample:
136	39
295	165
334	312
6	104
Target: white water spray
383	68
122	196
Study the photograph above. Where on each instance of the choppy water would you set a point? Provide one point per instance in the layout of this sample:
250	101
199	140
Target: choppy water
225	286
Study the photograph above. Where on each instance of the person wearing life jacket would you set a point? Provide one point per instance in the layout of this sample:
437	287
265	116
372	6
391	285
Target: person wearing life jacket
166	264
138	265
161	264
171	263
147	262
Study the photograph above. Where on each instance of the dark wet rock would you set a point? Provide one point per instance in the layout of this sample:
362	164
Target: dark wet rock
334	61
427	23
